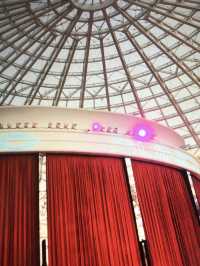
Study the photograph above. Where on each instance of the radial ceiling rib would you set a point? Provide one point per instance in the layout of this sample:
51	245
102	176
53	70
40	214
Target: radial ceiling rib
65	72
168	53
36	58
157	10
34	37
22	25
29	18
16	80
17	15
17	55
170	96
159	107
21	14
19	37
177	61
13	3
141	111
85	63
180	4
52	22
160	25
105	73
49	64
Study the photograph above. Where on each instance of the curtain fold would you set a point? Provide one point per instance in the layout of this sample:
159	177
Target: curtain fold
196	183
170	223
90	219
19	210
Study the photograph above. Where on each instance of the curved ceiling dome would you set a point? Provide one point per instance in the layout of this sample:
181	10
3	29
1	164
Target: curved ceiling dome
132	56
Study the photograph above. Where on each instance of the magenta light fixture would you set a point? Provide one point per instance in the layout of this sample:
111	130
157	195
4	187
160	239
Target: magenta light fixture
96	127
143	132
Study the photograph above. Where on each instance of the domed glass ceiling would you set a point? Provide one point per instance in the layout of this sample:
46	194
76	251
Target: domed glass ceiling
140	57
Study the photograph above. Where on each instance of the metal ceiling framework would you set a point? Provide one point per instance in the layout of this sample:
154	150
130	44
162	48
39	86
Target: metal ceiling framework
140	57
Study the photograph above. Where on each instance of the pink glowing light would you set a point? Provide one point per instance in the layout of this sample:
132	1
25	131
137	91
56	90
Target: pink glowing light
96	127
143	132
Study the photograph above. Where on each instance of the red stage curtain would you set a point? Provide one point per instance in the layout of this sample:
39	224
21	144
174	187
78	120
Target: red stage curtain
19	210
90	219
196	183
170	222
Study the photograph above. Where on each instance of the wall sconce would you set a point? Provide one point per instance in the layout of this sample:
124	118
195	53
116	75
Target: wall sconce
49	125
97	127
34	125
58	125
26	124
18	125
142	132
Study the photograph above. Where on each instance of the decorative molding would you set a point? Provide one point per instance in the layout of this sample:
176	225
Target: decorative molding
70	131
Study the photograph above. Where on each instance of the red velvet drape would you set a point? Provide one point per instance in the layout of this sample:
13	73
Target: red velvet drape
170	222
19	211
196	183
90	220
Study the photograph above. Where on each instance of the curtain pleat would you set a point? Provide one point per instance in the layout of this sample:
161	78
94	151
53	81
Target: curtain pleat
196	183
170	223
19	210
90	219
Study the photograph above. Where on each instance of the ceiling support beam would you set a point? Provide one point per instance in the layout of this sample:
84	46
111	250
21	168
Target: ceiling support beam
19	37
85	62
17	55
48	65
16	2
168	52
35	39
65	72
134	91
158	24
25	71
7	92
30	18
180	4
105	73
157	76
157	10
164	87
